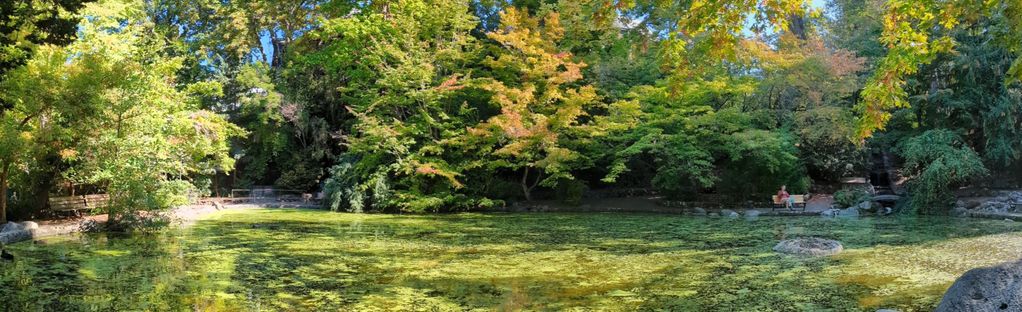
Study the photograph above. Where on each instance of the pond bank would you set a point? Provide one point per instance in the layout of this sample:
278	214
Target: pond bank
183	216
315	260
657	204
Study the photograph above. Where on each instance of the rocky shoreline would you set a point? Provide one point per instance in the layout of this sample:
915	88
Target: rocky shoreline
183	216
1005	205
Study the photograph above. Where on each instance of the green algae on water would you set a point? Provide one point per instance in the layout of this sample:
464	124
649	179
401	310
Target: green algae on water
308	260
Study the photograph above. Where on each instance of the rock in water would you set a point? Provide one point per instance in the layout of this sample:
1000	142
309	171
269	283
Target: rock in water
729	213
29	225
810	246
850	212
10	237
752	213
996	288
11	227
994	206
699	211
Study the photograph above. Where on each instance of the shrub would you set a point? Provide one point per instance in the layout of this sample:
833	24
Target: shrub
571	191
342	189
139	222
850	196
939	159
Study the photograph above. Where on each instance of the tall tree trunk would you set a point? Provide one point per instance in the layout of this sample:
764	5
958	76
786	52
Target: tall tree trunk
3	191
525	185
797	26
526	188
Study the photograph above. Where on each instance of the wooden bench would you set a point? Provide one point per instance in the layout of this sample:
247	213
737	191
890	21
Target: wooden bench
797	201
75	204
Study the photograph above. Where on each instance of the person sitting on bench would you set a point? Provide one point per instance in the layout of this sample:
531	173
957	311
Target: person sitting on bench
785	198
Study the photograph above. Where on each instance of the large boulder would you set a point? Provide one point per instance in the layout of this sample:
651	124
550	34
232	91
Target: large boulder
29	225
699	211
15	232
10	237
752	213
10	227
850	212
996	288
809	246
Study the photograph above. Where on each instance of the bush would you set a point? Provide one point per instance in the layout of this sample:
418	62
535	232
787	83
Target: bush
301	176
851	196
137	222
939	159
571	191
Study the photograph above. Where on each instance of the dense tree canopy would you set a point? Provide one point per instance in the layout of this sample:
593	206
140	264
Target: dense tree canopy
439	105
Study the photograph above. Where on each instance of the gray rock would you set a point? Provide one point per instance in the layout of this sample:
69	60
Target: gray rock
994	205
959	212
996	288
1015	197
729	213
10	237
866	205
850	212
752	213
810	246
699	211
11	227
713	214
29	225
830	213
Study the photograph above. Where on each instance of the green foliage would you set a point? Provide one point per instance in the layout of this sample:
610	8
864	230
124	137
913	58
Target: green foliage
825	143
938	160
341	188
287	260
32	23
450	105
571	192
851	196
109	108
693	148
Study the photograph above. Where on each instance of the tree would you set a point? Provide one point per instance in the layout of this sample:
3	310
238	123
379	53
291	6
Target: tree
27	24
541	115
399	68
109	107
937	160
30	23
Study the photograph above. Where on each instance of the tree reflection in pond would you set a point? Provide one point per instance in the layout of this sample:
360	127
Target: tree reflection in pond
310	260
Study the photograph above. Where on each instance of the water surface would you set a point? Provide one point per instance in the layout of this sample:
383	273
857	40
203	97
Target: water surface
306	260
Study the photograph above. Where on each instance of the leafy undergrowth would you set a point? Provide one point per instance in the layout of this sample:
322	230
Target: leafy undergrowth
289	260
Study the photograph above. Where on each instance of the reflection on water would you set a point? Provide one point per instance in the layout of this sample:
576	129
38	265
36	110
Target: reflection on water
288	260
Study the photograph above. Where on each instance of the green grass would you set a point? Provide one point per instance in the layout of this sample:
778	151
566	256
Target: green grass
308	260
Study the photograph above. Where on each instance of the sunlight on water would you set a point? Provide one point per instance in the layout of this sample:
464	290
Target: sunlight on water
288	260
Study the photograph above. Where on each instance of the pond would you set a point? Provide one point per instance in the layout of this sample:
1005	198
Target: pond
308	260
